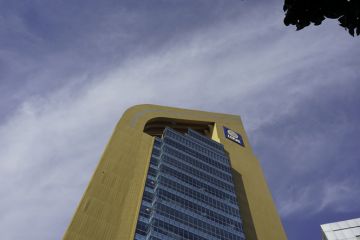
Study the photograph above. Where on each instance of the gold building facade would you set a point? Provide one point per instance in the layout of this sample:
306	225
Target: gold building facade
110	207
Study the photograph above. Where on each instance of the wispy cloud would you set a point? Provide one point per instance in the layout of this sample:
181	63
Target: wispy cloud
336	196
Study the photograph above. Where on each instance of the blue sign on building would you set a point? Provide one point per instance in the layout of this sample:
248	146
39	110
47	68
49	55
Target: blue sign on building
233	136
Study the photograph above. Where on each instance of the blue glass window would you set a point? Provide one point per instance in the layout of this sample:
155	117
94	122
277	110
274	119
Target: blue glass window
189	192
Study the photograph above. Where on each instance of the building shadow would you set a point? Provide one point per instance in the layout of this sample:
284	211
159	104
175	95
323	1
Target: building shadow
248	224
245	213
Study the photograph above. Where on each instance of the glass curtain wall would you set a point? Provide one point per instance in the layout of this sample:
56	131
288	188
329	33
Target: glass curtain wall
189	191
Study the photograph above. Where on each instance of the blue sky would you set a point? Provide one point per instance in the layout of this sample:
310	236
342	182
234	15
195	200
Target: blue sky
69	70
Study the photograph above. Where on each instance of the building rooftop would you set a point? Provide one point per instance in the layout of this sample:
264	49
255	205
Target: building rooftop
343	230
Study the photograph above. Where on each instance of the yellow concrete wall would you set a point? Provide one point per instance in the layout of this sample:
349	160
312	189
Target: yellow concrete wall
110	205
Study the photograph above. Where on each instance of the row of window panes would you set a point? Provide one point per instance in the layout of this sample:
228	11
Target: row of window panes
198	173
176	186
194	144
205	142
202	196
195	205
208	215
205	139
196	183
195	178
195	223
214	219
197	147
182	152
202	166
195	193
173	231
179	225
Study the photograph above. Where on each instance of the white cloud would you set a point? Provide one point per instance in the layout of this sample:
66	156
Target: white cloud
338	196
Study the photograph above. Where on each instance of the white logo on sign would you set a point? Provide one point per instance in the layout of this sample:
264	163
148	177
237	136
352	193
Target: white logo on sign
233	134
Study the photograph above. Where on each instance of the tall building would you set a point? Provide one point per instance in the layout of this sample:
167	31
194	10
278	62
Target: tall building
343	230
170	173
